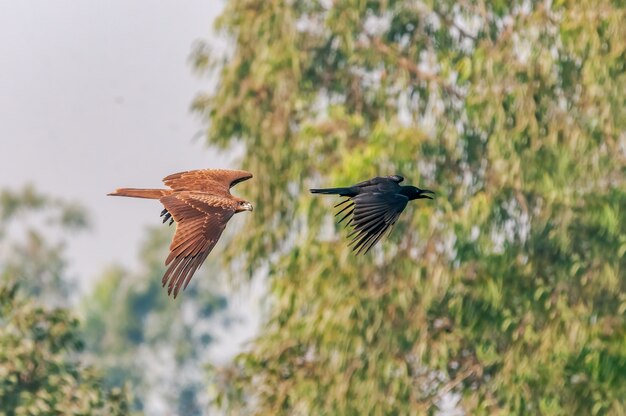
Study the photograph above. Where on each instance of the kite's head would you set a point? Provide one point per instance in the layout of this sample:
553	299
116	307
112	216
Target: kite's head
244	206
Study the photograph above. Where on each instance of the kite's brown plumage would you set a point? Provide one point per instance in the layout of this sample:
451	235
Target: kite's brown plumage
201	204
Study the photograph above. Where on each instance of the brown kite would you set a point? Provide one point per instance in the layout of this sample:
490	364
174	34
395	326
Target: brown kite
200	203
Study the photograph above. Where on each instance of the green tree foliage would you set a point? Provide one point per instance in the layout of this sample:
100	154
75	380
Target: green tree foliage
507	292
40	373
140	335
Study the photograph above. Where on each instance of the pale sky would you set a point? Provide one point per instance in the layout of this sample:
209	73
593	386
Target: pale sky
95	95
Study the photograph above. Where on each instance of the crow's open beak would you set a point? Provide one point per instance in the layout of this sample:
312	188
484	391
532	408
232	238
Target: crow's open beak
426	191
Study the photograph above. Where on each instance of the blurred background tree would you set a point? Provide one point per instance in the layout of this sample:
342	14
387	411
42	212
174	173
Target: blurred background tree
140	335
33	227
40	370
504	295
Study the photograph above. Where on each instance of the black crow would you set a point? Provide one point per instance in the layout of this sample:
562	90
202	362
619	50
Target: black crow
376	205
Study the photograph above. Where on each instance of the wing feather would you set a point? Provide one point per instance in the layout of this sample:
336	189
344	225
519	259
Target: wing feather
380	179
373	215
214	181
200	221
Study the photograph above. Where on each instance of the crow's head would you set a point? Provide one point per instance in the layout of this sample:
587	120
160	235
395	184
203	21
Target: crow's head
413	192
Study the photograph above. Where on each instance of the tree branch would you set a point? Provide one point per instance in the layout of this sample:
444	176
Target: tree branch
412	67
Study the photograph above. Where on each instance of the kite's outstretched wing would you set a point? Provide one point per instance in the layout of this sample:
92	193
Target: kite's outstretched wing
214	181
200	221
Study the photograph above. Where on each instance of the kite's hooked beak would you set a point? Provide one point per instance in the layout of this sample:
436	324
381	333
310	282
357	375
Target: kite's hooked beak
426	191
248	206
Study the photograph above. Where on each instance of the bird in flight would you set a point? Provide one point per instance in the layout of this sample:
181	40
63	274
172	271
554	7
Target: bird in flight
375	205
200	203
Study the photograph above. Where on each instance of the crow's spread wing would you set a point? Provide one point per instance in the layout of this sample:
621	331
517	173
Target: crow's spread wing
380	179
373	214
214	181
200	220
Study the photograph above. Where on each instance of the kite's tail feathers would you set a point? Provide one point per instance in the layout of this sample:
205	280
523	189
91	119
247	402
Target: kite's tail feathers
141	193
334	191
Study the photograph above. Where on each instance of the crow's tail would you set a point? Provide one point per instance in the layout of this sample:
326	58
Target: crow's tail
334	191
141	193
